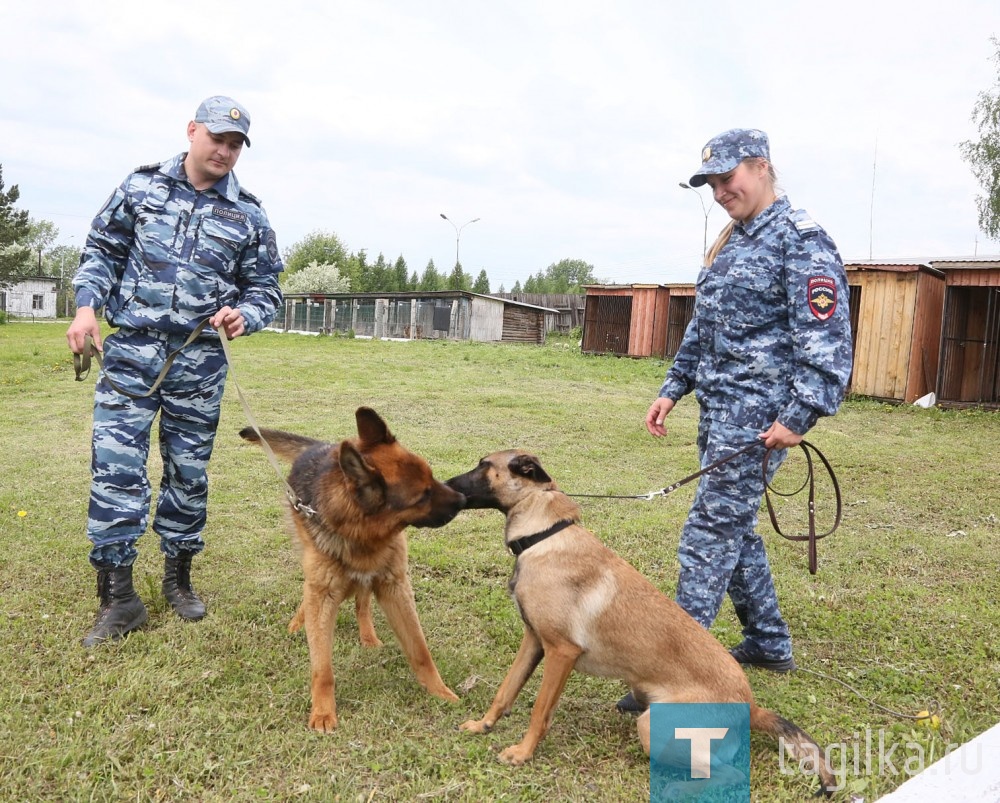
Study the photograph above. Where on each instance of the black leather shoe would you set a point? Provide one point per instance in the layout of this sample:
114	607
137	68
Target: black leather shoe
629	705
748	657
177	588
121	609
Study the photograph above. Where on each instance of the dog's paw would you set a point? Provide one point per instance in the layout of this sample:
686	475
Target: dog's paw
476	726
369	639
296	621
324	723
515	755
443	692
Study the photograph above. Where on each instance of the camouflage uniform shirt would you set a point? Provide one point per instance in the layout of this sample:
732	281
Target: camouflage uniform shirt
770	338
162	256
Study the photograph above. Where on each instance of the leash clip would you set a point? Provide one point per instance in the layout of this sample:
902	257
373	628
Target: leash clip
298	505
652	495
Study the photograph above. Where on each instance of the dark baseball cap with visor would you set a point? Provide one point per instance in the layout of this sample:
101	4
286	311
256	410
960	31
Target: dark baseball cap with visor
220	115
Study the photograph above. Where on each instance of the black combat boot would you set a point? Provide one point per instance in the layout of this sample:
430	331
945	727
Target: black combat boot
121	609
177	588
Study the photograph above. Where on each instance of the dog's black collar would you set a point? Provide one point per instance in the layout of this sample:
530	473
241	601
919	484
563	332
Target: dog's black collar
521	544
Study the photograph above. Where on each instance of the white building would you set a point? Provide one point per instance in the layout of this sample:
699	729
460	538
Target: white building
31	297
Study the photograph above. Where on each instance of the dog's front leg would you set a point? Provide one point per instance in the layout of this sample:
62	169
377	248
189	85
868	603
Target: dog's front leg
397	602
320	613
559	662
528	657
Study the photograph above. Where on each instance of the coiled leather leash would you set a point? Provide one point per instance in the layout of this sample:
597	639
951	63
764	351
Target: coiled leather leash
811	536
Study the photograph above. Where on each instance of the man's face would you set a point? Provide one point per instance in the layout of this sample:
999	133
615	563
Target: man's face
211	156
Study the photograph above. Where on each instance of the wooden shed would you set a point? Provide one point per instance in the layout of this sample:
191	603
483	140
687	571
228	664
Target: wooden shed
969	370
636	320
896	323
443	314
680	311
33	297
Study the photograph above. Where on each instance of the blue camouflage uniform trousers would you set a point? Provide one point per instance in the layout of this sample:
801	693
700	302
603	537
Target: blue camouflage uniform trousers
720	550
188	402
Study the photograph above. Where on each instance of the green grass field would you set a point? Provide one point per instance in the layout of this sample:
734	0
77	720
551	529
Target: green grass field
904	608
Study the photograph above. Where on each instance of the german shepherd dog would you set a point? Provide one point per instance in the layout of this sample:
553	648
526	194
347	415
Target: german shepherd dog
363	494
585	608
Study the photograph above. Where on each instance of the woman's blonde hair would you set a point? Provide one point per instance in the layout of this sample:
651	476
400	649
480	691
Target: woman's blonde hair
726	232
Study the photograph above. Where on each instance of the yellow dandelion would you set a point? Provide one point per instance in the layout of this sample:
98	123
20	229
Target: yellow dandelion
22	513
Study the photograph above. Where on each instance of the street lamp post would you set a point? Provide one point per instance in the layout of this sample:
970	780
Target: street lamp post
458	231
62	282
705	210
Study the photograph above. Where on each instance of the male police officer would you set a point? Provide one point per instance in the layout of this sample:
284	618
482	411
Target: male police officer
177	243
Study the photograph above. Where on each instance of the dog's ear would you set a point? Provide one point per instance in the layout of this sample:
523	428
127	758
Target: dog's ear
371	428
526	465
368	483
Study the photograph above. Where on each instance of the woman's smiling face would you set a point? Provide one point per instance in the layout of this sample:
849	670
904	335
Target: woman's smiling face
745	191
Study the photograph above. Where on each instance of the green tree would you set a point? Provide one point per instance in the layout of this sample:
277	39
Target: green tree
41	235
400	280
983	155
15	228
566	276
482	284
379	276
321	247
431	279
357	271
316	278
458	279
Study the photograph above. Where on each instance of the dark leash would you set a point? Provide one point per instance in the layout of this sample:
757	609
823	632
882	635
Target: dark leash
81	363
811	536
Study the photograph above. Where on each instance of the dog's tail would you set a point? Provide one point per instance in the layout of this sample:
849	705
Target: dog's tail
797	743
284	444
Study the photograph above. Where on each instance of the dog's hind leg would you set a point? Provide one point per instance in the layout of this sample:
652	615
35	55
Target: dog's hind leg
559	662
366	627
400	608
527	659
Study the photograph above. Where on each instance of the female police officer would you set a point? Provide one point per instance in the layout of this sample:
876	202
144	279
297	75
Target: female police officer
178	243
767	352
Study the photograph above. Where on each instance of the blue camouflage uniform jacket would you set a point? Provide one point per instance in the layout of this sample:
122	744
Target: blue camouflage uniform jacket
771	334
162	256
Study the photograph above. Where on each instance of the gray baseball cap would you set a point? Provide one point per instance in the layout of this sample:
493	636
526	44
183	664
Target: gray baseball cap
724	152
221	114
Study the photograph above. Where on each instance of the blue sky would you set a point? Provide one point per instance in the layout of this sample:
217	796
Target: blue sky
564	126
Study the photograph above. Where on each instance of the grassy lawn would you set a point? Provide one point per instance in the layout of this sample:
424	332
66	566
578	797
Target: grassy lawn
904	608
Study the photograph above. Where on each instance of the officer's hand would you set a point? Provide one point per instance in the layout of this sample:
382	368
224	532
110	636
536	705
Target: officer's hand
84	323
658	411
229	319
778	436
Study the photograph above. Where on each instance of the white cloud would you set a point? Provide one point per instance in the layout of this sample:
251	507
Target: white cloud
564	126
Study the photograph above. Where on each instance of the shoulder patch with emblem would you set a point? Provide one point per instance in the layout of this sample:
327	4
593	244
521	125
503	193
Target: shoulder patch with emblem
822	296
271	243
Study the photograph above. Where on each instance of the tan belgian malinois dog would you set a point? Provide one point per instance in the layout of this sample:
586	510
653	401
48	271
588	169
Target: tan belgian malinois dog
586	608
357	499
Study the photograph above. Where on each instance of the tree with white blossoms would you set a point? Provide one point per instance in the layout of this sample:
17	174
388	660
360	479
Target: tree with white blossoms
316	278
